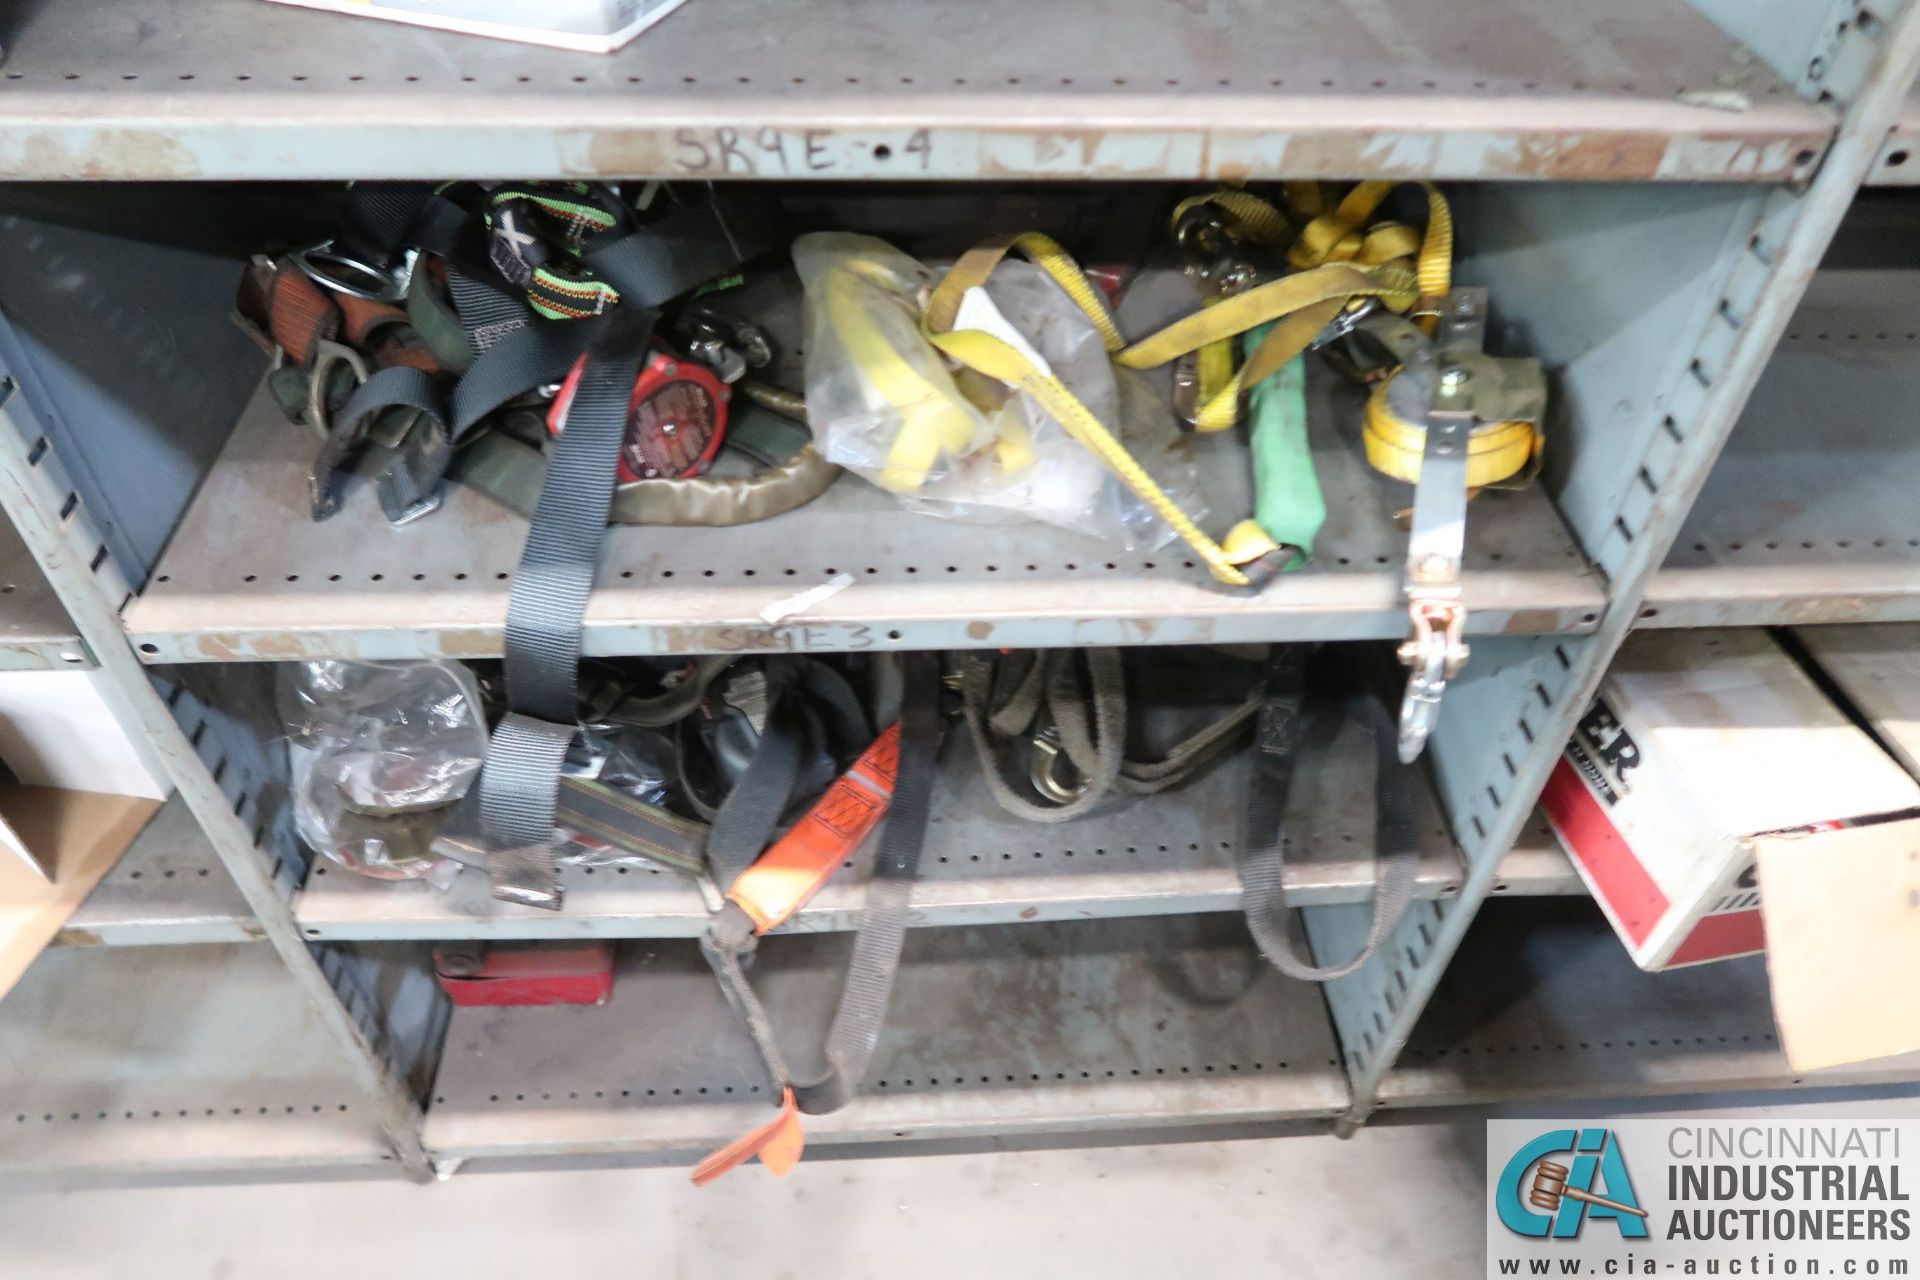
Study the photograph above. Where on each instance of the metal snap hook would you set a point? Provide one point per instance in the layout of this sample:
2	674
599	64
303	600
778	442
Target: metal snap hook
1043	768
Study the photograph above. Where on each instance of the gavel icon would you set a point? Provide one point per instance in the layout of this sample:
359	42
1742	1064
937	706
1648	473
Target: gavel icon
1550	1187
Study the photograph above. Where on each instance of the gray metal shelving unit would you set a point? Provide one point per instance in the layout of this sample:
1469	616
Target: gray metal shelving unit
176	1059
1647	189
1641	90
35	633
1808	516
355	587
1545	1004
1037	1029
167	888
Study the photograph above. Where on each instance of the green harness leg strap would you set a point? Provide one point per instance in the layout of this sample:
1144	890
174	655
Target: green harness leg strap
1287	501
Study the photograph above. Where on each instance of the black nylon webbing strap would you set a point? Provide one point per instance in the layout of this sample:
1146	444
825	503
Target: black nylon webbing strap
810	707
549	595
746	819
398	386
1277	738
544	613
855	1032
688	246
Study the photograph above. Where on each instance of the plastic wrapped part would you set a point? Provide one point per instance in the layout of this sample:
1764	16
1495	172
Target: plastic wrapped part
380	752
884	403
638	762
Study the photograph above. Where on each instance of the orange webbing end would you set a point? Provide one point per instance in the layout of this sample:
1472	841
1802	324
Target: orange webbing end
800	861
300	314
779	1144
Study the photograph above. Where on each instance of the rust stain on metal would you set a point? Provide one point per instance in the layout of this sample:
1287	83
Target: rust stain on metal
467	644
282	648
1590	157
1582	157
1030	913
1531	622
230	646
253	931
1829	609
616	152
979	630
71	937
107	153
220	648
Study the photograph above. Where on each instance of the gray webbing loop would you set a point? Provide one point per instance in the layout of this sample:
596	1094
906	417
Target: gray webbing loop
544	611
729	942
1277	738
1003	699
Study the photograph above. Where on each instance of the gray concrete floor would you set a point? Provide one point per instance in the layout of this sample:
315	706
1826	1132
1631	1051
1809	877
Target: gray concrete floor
1398	1200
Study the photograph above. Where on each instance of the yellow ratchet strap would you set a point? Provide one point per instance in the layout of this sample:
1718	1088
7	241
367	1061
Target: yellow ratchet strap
1301	306
1243	545
934	420
1338	237
1247	215
1496	451
1248	218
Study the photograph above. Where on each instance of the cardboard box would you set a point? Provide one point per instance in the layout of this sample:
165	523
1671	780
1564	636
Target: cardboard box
66	841
76	787
1845	914
57	729
1699	745
586	26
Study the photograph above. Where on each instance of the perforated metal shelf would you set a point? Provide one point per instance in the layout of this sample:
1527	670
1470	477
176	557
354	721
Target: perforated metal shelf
1809	514
1051	1028
907	89
167	888
171	1059
1898	164
1167	854
35	633
249	577
1543	1002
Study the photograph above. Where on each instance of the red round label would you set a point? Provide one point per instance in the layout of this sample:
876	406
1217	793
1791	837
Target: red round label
670	433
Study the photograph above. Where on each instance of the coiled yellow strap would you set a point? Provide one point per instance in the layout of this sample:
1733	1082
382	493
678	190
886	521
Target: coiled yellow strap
1245	543
1338	237
934	420
1496	451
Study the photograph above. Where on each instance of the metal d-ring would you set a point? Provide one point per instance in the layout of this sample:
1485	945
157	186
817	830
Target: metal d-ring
341	272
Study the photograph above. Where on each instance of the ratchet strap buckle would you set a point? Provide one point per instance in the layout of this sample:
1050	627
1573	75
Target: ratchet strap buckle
1436	653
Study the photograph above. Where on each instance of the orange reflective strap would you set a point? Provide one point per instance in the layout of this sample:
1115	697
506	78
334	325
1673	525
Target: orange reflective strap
778	1143
792	871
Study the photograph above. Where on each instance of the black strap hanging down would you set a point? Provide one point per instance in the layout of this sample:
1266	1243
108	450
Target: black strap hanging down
545	608
730	941
813	728
1278	733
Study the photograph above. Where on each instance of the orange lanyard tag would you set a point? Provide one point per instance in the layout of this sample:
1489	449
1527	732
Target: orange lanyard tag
778	1143
792	871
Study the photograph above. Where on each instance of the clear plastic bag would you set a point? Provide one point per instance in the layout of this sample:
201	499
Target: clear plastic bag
380	753
884	403
639	762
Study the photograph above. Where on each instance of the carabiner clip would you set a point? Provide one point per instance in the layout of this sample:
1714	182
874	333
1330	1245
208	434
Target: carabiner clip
1436	654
